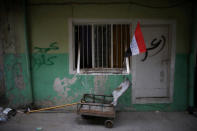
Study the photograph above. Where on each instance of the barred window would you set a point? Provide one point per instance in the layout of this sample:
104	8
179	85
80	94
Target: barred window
100	48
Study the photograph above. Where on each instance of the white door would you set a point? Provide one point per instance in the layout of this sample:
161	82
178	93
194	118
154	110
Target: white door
151	71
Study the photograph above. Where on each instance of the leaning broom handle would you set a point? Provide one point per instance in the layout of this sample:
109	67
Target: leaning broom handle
54	107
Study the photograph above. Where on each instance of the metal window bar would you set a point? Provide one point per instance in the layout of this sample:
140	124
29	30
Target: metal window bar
130	32
127	59
121	46
127	65
106	47
126	38
112	46
103	49
97	59
125	41
116	46
83	43
87	48
93	47
78	51
78	59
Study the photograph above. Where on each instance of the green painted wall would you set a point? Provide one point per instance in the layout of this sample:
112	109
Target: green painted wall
47	94
51	81
54	85
17	84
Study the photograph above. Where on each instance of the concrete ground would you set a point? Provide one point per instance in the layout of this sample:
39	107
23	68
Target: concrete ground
125	121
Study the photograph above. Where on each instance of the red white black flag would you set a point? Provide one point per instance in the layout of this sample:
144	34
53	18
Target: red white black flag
138	45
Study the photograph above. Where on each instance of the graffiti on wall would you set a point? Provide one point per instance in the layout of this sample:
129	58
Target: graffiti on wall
41	58
155	44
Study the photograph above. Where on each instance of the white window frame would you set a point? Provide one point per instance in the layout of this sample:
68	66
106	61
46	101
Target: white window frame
71	22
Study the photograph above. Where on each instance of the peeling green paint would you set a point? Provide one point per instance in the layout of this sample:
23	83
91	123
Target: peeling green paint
17	85
45	76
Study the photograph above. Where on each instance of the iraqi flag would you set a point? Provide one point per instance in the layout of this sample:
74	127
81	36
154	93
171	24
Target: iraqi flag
137	45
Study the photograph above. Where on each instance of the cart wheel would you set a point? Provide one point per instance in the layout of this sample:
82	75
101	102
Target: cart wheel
109	123
85	117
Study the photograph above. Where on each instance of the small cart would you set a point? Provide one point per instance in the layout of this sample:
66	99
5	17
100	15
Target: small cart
97	106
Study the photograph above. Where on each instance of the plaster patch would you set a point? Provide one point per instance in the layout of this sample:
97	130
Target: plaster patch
62	87
99	84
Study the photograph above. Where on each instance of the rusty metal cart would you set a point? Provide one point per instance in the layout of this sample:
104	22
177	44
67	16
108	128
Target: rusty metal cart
97	106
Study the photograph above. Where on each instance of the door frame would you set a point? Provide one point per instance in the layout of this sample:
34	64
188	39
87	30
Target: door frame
172	47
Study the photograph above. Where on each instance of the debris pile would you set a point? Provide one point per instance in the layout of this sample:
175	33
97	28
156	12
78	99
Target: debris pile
6	114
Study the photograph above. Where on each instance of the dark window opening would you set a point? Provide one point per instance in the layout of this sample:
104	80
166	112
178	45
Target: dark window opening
102	46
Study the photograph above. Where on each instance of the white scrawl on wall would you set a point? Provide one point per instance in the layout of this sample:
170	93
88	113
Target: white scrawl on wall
61	86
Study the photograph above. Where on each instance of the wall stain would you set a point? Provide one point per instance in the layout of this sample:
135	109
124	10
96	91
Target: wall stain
8	37
42	59
99	84
16	71
19	81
